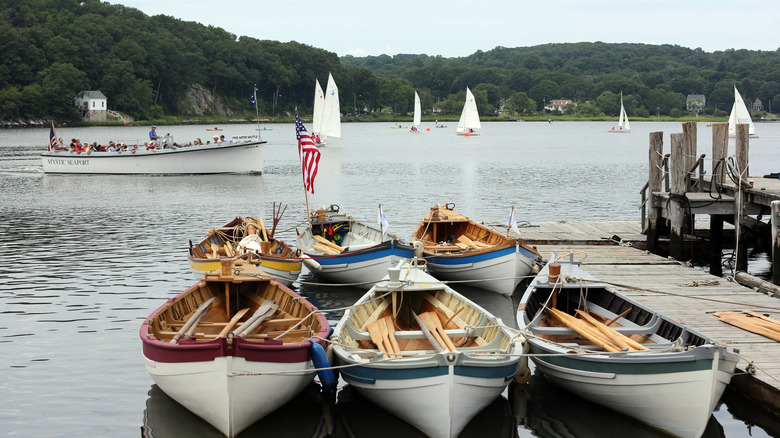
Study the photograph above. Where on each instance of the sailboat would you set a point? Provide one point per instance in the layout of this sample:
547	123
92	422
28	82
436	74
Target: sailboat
740	114
326	119
417	113
469	118
623	126
319	108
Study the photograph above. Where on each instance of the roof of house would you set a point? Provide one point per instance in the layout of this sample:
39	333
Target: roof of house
92	94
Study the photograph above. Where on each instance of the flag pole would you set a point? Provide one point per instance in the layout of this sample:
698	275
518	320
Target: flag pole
511	219
381	228
303	179
257	113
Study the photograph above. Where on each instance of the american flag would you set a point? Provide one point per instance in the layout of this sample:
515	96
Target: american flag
52	138
310	155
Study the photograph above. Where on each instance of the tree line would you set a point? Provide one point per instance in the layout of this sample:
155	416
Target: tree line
147	67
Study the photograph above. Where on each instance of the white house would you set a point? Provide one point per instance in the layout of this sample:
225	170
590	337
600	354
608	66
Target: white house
92	105
695	101
558	104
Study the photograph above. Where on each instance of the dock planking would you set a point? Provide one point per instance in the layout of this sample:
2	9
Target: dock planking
677	289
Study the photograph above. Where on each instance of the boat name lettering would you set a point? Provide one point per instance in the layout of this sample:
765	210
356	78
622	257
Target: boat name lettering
68	162
241	137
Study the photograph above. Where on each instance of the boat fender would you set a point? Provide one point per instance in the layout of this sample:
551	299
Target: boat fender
311	263
320	360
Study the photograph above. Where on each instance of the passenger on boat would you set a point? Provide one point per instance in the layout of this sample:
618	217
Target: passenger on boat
250	242
216	139
221	138
112	146
60	146
153	133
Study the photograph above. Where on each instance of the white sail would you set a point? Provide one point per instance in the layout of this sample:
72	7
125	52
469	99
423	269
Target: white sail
623	125
319	108
417	111
469	118
331	119
626	126
740	114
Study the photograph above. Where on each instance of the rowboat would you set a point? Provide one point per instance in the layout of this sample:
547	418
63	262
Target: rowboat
458	248
228	157
340	249
424	352
234	347
617	352
272	255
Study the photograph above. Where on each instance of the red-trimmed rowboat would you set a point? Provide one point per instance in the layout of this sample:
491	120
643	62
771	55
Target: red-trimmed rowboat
233	348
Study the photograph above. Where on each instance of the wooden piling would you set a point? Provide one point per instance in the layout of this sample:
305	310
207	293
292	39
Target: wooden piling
720	146
677	190
654	185
775	242
689	145
741	161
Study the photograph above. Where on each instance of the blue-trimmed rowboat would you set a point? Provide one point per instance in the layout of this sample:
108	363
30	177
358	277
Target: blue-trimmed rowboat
233	348
340	249
458	248
657	370
425	353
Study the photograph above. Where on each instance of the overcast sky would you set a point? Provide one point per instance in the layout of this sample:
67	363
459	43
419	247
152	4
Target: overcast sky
455	28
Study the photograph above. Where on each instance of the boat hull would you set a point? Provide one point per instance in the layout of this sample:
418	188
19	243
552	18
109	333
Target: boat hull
206	159
677	396
234	401
439	396
362	267
498	271
283	270
438	390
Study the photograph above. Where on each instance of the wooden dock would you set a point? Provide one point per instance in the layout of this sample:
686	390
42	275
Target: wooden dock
674	288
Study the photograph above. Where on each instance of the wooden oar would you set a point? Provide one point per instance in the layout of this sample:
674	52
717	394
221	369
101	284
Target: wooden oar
376	336
193	321
391	334
386	338
430	325
233	322
259	313
262	228
612	321
579	327
620	339
428	335
437	323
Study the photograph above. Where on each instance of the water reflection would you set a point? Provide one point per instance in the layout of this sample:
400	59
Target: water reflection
303	416
545	410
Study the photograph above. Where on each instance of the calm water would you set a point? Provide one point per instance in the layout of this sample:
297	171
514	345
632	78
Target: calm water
86	258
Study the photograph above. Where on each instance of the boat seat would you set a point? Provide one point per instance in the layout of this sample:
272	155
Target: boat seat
411	334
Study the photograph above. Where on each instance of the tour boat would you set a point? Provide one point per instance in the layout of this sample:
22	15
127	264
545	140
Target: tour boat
228	157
